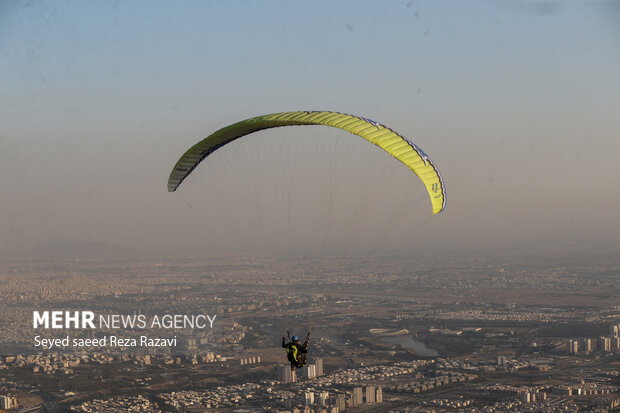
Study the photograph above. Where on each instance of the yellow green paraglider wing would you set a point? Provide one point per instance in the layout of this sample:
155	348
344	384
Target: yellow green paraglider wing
396	145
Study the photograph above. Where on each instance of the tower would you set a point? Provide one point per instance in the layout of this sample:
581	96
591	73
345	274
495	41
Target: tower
285	374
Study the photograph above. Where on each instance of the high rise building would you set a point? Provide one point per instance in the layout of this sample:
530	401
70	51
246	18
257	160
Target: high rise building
340	402
309	371
285	374
8	402
369	394
357	397
605	344
573	346
379	395
319	367
309	398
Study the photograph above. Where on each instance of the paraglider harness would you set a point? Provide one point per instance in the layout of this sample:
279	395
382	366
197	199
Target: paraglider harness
295	352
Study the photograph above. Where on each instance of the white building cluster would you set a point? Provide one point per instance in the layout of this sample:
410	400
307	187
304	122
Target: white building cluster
220	397
8	403
604	344
326	401
310	371
117	405
249	360
422	384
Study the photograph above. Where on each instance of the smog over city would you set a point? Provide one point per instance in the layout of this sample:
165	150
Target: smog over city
406	206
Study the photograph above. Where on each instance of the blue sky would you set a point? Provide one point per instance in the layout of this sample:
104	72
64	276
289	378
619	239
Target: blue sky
516	102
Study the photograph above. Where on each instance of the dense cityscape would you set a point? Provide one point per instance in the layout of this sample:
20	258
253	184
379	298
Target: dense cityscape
493	333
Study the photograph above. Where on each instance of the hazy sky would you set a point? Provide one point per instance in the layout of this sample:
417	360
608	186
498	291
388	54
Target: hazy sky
516	102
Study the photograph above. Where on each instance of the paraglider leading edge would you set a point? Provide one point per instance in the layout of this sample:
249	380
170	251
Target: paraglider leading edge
394	144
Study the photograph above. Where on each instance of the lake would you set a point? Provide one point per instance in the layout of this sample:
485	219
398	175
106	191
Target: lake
417	346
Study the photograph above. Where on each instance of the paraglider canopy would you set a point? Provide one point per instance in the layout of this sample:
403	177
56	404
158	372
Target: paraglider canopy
396	145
